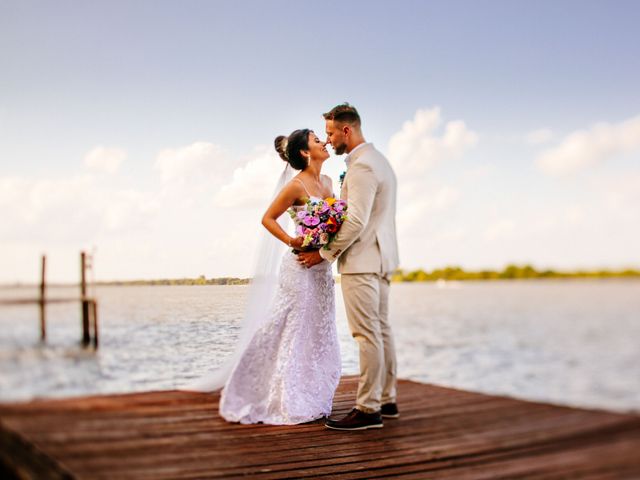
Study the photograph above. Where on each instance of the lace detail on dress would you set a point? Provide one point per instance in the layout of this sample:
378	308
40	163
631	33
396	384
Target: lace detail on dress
289	372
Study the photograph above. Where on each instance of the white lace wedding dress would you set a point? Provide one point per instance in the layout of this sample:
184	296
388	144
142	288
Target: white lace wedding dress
290	370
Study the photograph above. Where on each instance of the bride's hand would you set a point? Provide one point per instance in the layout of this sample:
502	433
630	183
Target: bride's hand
296	243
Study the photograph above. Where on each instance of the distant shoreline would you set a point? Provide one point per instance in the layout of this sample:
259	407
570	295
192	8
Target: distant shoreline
510	272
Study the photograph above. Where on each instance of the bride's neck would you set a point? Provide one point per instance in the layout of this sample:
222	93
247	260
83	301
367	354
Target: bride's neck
314	170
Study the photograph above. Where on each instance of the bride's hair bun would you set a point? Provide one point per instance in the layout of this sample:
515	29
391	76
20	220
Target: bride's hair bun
289	148
281	147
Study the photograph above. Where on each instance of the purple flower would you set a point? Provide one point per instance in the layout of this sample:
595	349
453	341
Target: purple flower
311	221
301	214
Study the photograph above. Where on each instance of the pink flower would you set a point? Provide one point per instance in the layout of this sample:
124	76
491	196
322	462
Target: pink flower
339	206
311	221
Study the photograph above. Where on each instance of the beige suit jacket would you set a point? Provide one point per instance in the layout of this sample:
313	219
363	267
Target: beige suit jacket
367	241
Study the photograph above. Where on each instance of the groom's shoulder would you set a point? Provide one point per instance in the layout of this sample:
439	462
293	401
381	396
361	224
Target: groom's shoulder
372	156
371	150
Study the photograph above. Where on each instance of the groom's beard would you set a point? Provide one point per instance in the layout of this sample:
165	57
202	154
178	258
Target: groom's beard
340	149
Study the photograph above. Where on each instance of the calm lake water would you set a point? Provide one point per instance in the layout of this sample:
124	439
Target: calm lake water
569	342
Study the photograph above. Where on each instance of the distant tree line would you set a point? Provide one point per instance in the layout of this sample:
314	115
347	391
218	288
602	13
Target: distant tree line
201	280
510	272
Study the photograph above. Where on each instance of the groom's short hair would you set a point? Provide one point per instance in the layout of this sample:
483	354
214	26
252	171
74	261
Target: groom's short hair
343	113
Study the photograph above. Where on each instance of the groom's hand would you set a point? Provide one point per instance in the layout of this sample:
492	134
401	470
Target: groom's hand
309	259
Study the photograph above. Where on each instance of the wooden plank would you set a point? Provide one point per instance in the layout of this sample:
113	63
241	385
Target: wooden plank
21	459
442	433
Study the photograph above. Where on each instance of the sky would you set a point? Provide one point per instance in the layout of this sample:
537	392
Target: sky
142	131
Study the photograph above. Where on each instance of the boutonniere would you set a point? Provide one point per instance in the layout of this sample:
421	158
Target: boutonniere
341	180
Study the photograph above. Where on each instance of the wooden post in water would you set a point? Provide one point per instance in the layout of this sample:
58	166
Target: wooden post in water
94	315
43	286
86	338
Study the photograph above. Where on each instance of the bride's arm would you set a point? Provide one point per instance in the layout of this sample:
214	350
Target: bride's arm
286	198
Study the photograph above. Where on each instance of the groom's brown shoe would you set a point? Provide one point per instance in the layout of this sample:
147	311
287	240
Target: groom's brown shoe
356	420
390	410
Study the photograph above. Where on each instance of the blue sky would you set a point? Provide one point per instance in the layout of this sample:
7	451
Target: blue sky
126	127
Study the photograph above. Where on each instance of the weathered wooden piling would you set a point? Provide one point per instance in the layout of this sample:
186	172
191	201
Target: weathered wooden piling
94	317
43	286
84	301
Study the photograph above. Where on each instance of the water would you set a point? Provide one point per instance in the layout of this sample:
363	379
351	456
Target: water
568	342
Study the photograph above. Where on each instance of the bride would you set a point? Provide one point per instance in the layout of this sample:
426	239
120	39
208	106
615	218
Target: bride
290	368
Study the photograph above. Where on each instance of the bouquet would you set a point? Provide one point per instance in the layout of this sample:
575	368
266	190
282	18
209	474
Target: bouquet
319	221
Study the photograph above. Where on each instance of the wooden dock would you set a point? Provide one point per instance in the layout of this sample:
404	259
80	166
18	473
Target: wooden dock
442	433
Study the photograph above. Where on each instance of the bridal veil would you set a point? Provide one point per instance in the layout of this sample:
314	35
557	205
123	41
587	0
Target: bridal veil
260	296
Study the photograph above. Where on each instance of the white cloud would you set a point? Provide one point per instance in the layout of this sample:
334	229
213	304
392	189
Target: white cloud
105	159
198	161
39	207
621	194
72	210
584	148
424	205
252	182
499	230
575	215
539	137
417	147
129	210
425	200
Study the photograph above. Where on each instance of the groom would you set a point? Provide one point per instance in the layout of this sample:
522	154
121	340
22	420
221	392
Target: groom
367	252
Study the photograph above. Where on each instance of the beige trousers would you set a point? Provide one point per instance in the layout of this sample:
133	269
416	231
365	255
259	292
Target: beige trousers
366	299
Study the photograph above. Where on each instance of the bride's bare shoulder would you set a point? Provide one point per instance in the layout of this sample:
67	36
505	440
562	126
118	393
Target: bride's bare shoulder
295	184
294	189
